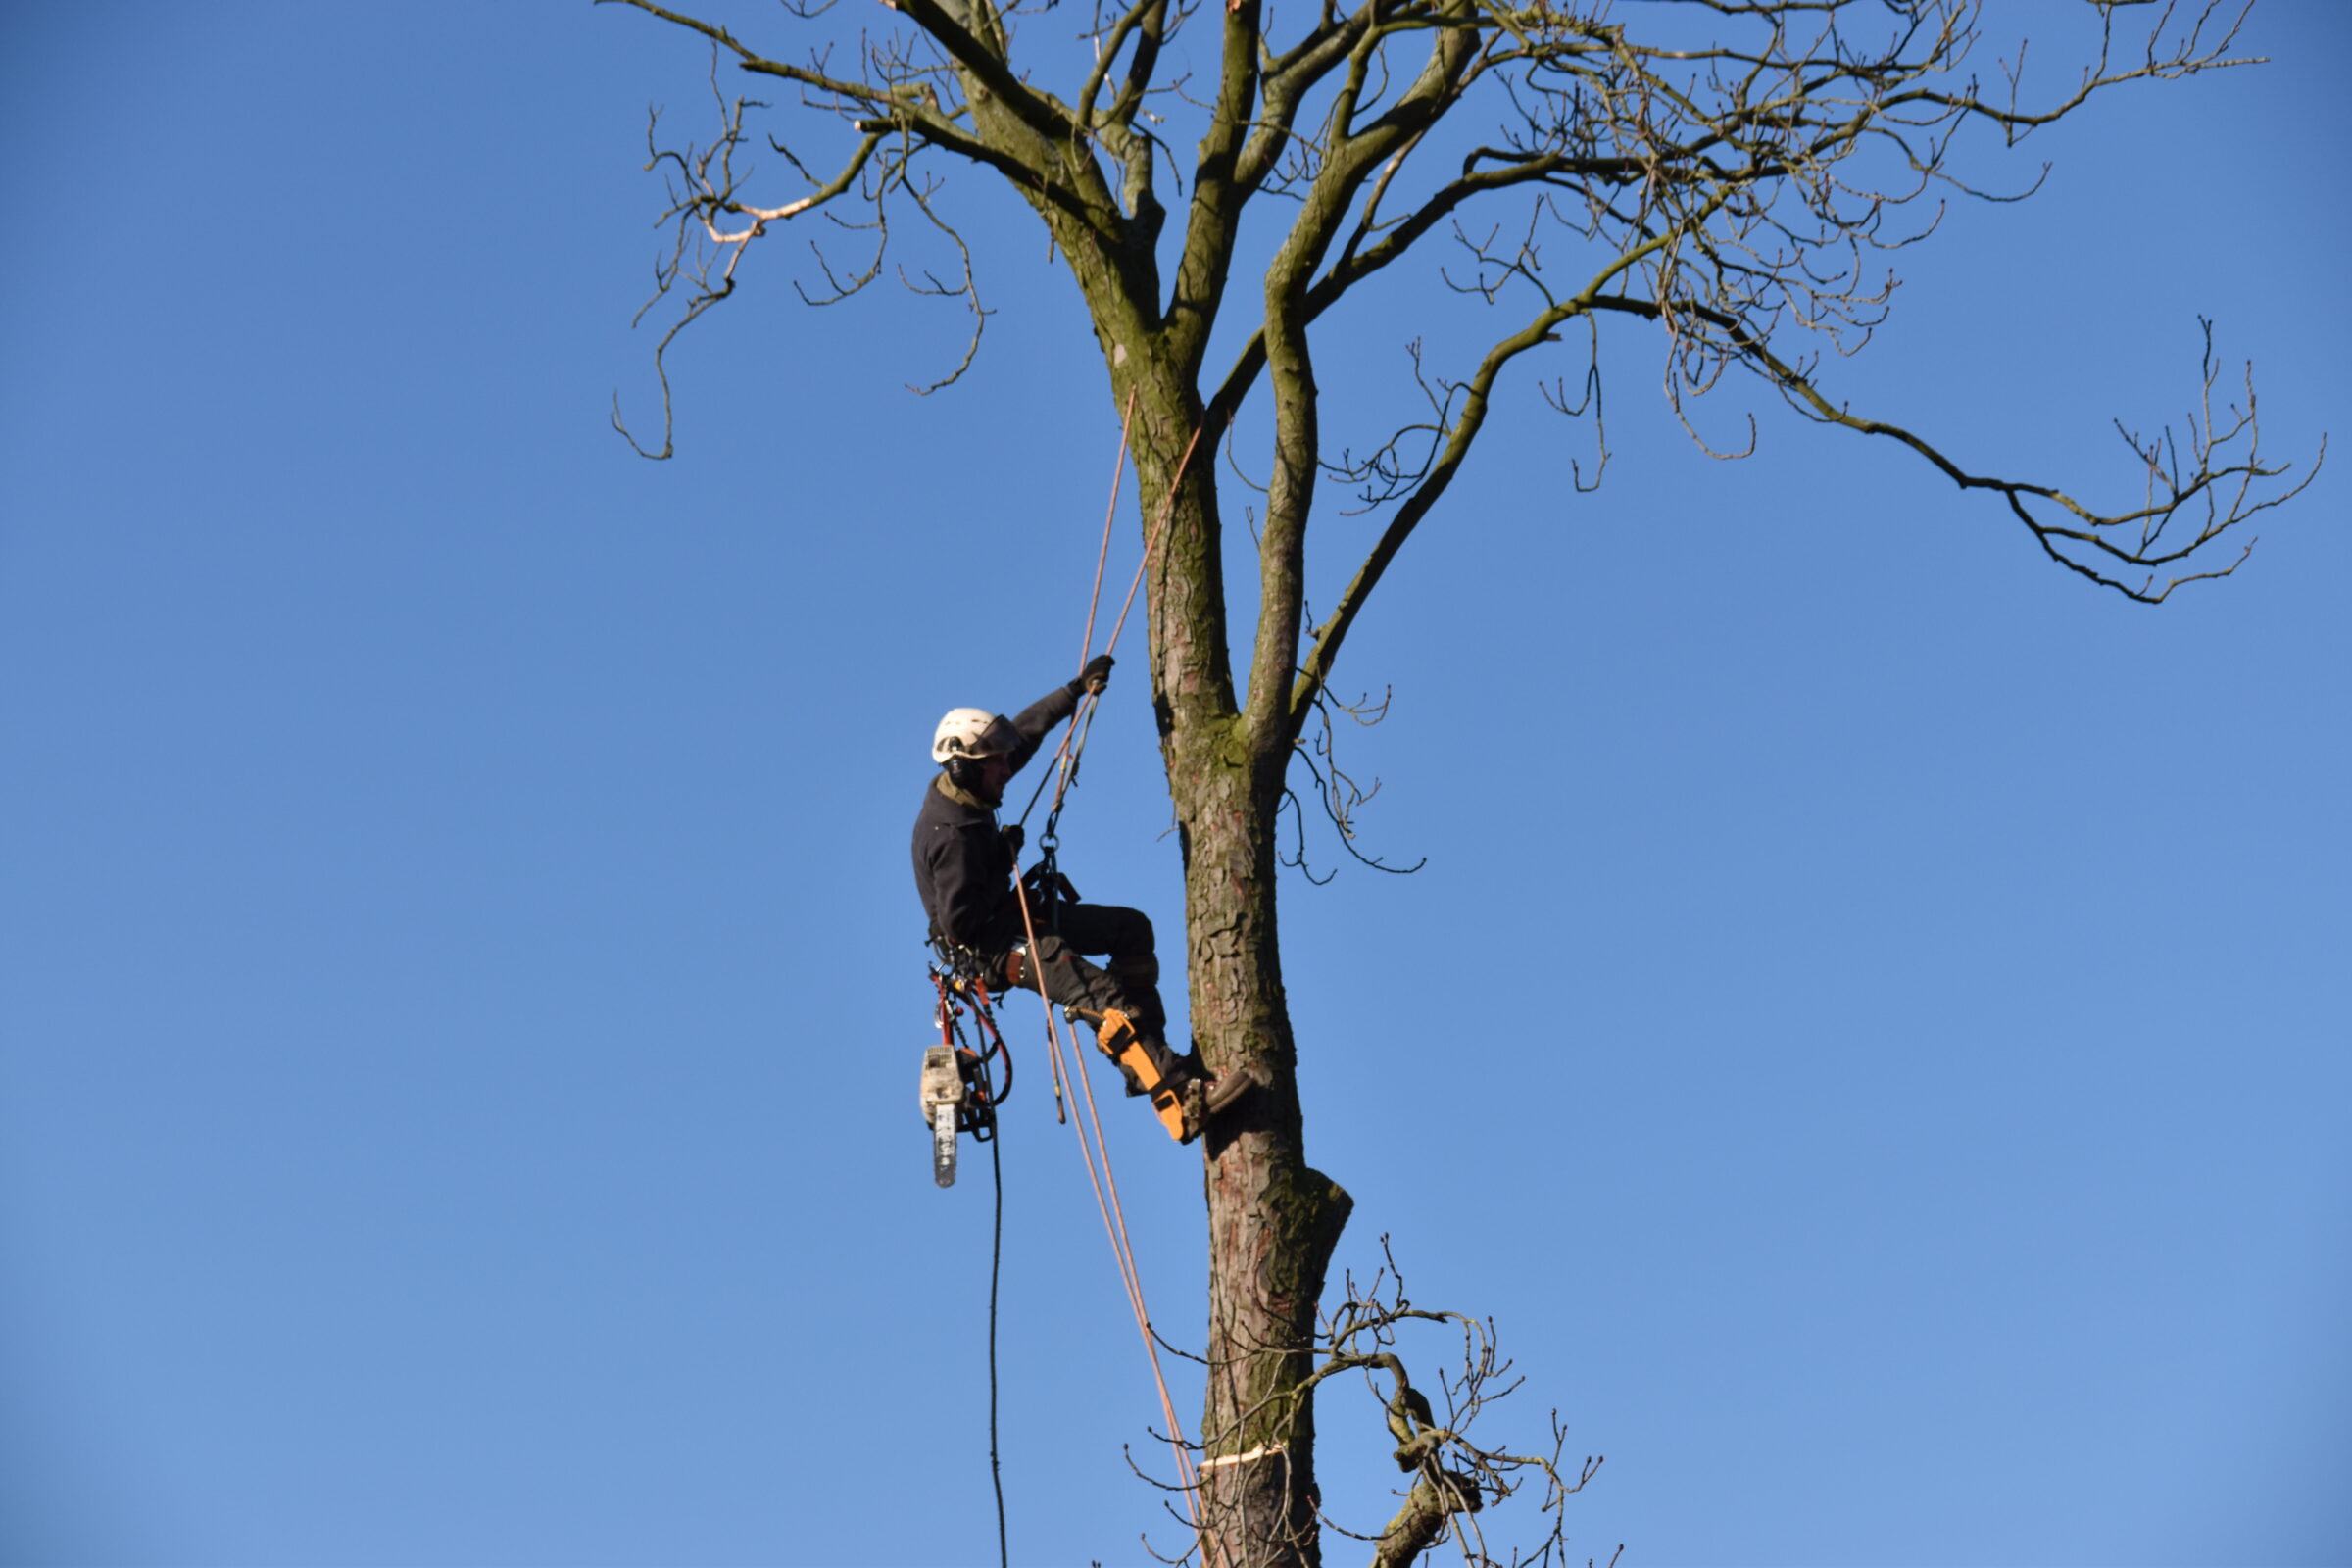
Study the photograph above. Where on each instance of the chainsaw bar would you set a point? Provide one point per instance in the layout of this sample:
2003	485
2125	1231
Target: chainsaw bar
941	1098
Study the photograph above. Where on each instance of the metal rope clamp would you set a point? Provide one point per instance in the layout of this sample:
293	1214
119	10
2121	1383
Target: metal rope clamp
962	964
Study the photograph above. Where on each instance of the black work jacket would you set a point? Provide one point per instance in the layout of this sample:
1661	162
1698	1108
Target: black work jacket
963	866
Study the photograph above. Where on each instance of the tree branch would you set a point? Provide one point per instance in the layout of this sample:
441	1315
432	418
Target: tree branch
2134	538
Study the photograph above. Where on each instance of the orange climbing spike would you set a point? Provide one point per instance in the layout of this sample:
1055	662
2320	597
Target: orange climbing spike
1118	1041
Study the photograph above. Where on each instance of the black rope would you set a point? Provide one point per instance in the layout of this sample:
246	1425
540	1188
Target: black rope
984	1095
996	1257
1048	843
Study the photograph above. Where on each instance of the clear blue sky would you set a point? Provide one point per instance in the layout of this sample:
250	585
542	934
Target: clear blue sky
1872	1031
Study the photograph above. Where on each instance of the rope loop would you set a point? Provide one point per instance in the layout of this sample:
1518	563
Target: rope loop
961	987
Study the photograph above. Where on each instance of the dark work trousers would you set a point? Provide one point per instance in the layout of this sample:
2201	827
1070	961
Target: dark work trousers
1129	980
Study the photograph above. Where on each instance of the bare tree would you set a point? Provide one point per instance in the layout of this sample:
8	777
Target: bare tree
1725	172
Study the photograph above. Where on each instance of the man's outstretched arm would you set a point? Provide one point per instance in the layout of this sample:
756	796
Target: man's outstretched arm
1036	721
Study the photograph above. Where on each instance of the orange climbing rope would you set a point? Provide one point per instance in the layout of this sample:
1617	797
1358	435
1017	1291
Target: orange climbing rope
1111	513
1073	739
1091	1147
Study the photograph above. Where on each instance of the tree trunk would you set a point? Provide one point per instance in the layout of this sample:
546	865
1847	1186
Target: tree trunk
1272	1220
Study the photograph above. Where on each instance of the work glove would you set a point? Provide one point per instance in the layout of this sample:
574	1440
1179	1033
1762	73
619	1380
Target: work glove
1098	673
1014	838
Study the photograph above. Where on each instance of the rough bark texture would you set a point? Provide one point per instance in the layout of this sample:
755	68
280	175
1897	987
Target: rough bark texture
1272	1219
1421	1521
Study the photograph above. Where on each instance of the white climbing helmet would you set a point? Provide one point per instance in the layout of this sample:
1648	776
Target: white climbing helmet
973	732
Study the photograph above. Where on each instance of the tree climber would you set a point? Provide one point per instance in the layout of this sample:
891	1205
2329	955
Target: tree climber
963	864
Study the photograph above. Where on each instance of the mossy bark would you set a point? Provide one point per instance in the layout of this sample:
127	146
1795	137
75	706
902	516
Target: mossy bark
1273	1220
